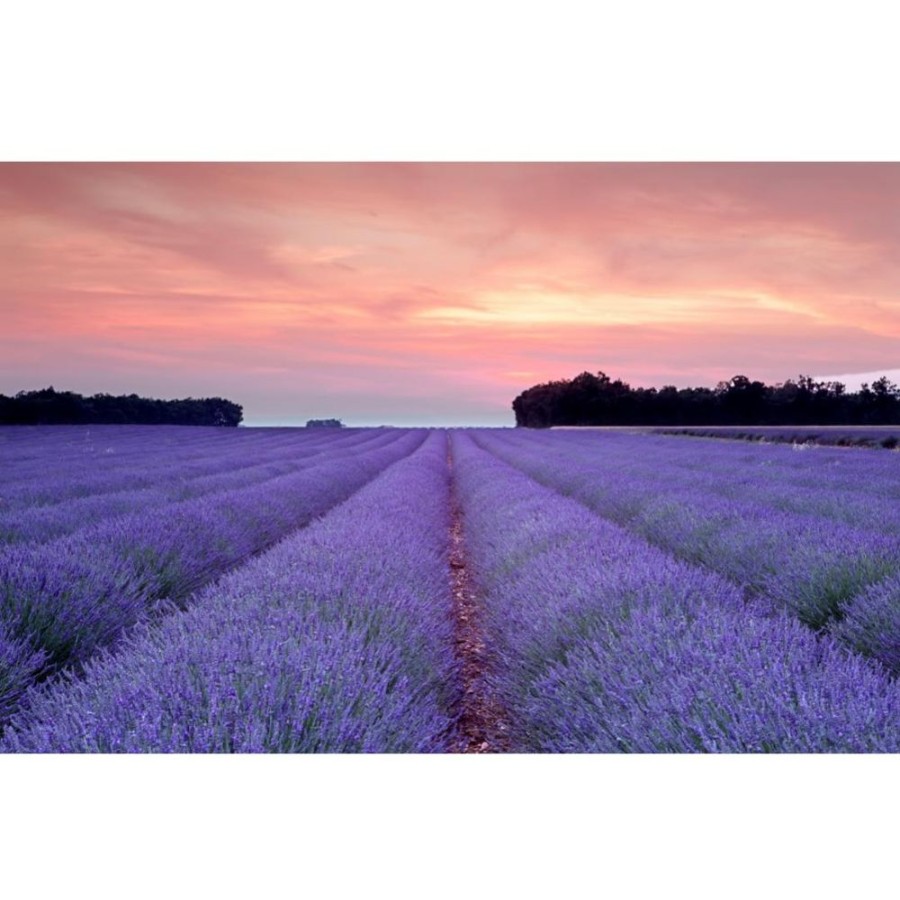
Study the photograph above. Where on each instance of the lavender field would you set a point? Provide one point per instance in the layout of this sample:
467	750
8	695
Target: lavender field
171	589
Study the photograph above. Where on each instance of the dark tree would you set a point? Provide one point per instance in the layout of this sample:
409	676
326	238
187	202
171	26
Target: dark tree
51	407
598	400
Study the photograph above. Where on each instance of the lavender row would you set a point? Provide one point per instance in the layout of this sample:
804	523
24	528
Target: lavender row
602	643
830	484
887	436
661	466
158	466
21	445
813	566
852	486
868	475
813	492
826	573
38	524
43	523
53	483
339	639
60	601
50	519
115	446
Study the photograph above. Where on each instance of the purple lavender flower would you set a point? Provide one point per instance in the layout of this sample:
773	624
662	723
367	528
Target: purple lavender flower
339	639
601	642
66	598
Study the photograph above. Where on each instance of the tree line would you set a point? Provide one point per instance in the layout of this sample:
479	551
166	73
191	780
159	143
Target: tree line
52	407
591	399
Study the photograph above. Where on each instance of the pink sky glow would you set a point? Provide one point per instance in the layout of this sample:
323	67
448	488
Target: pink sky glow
434	293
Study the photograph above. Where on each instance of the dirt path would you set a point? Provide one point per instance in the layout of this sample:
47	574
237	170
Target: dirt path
481	724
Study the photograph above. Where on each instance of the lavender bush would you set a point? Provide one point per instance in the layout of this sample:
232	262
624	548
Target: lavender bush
227	468
129	457
812	565
339	639
871	623
64	599
601	642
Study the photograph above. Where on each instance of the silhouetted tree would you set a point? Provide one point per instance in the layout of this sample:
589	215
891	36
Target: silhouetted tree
52	407
598	400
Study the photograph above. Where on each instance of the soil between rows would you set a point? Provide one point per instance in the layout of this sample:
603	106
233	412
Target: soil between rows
482	724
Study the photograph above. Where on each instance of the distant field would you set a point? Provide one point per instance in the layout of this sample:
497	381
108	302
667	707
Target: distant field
168	589
887	436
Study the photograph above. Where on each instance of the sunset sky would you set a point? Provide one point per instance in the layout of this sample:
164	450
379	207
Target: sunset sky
434	293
